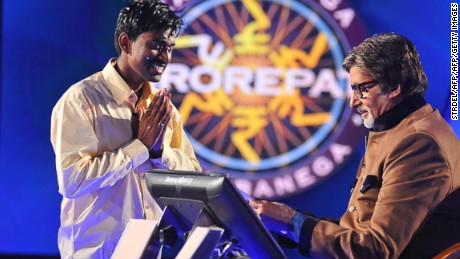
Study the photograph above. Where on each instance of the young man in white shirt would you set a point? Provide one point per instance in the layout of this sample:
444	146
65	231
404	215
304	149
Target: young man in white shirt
111	127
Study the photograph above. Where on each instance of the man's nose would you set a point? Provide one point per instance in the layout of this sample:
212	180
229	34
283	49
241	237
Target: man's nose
164	56
354	100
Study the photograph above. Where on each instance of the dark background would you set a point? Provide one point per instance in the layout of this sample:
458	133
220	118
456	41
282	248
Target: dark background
48	45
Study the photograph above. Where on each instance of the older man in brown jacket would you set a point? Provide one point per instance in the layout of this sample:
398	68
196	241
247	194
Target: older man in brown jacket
406	199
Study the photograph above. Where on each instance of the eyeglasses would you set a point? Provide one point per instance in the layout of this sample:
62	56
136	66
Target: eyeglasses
364	87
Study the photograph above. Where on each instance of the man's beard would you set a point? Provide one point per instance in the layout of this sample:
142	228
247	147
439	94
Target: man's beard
369	121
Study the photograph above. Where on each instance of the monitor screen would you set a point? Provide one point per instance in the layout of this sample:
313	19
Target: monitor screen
187	194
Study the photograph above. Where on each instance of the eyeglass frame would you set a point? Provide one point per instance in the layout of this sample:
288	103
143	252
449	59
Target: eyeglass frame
363	87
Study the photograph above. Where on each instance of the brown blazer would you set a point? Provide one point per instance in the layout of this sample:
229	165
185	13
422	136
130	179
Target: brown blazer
406	201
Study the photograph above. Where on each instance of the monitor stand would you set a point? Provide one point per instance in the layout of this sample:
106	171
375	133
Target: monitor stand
201	243
135	239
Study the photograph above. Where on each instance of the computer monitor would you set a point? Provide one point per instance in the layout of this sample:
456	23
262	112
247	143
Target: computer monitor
190	194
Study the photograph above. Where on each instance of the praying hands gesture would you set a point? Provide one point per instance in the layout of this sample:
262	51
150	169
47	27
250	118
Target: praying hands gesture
149	124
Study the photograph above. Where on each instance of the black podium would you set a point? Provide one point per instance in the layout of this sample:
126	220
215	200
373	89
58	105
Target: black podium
207	216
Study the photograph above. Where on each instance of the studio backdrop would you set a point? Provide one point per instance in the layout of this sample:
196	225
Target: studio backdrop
259	84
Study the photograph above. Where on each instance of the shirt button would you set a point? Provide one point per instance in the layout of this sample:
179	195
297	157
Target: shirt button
352	208
147	206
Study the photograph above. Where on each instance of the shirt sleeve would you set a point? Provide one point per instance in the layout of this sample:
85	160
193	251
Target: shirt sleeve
81	166
301	228
295	225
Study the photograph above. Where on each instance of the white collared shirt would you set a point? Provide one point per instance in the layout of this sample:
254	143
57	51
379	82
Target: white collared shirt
100	165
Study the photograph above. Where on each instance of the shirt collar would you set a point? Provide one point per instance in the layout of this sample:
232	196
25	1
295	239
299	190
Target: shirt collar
117	86
395	115
120	89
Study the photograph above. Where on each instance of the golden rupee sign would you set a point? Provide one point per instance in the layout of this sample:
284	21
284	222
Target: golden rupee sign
261	91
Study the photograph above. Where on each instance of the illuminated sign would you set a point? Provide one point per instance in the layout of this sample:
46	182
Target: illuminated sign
262	92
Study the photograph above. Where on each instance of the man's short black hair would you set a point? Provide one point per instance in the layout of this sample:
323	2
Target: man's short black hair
145	16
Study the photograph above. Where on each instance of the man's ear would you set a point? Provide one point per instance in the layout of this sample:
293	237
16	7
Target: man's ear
124	42
395	91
